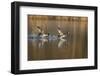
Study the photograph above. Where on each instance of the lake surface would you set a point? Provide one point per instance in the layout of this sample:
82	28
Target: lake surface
45	49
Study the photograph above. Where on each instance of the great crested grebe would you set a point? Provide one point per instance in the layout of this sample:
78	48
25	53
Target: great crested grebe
41	33
61	34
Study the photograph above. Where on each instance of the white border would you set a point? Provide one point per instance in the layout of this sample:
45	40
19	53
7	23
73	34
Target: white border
26	65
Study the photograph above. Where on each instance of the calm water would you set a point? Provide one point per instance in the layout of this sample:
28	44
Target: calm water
70	48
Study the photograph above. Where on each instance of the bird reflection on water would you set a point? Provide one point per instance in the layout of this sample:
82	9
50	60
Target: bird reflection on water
61	42
43	41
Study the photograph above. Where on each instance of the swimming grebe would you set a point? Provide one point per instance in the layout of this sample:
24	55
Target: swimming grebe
61	34
41	33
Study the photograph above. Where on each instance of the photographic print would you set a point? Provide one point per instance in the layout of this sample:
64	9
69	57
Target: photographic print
57	37
52	37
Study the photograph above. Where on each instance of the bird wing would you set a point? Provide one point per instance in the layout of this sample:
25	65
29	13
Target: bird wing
60	32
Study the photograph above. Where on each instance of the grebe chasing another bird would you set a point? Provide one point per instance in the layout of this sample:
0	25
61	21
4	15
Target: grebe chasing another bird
61	34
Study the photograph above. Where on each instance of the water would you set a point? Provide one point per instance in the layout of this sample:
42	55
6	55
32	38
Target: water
69	48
